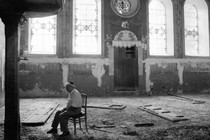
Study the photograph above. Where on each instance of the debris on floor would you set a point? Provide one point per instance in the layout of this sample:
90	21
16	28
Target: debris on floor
41	115
107	122
162	113
98	128
145	124
103	126
188	99
198	126
123	126
112	107
130	132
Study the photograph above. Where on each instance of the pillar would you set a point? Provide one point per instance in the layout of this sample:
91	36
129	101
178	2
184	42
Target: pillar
12	116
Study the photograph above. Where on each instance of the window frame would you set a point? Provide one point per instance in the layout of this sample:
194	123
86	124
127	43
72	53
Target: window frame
197	28
26	52
101	55
169	21
203	10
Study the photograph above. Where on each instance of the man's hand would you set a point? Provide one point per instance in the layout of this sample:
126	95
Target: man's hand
65	108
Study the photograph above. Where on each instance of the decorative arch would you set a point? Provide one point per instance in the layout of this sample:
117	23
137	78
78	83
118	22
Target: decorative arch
126	38
202	32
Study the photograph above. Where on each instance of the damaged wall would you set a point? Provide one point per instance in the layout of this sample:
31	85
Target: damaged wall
177	75
45	77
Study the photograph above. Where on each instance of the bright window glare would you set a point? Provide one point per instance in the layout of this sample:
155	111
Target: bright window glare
87	27
157	28
191	30
42	35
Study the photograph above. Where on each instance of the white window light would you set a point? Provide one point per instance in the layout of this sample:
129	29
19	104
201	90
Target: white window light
87	27
196	28
42	35
191	30
161	33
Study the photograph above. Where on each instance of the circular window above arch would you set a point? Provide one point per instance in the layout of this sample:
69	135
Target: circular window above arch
125	8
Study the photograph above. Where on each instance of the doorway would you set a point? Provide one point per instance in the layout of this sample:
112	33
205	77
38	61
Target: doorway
125	68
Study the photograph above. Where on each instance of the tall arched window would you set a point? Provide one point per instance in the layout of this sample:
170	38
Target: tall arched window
191	30
161	42
196	28
87	27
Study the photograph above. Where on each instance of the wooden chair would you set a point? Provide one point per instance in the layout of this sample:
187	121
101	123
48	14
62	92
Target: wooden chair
82	117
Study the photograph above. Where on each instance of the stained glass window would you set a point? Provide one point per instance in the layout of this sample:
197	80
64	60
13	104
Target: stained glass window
191	30
87	27
42	35
122	6
157	28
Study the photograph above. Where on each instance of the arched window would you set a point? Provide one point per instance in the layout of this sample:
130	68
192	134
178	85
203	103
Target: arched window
2	59
161	42
87	27
196	28
42	35
191	30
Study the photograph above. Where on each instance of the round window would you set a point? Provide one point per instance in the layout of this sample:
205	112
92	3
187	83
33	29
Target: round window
125	8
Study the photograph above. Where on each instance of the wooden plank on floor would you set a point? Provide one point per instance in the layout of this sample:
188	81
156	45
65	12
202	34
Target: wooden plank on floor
188	99
166	114
41	115
112	107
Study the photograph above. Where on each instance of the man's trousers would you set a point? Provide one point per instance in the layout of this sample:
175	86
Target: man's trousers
62	117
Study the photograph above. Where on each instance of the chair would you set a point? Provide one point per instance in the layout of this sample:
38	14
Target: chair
82	117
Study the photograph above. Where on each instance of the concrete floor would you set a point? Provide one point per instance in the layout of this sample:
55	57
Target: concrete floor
198	114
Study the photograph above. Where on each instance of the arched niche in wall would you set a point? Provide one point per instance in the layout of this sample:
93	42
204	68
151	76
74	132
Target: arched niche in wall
123	39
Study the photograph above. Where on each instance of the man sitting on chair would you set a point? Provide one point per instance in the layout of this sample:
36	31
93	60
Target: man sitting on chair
73	107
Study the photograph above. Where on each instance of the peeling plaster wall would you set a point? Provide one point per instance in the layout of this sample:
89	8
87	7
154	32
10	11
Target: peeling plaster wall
172	75
45	77
2	61
98	71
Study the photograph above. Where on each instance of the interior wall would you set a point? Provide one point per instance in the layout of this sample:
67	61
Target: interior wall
177	75
45	76
2	62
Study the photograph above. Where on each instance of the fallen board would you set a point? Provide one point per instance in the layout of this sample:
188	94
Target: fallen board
162	113
40	116
114	107
144	124
188	99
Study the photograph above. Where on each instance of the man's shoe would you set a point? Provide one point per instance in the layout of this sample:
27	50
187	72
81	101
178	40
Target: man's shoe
64	134
52	131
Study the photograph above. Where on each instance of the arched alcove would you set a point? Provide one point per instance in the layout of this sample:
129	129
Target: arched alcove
124	54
